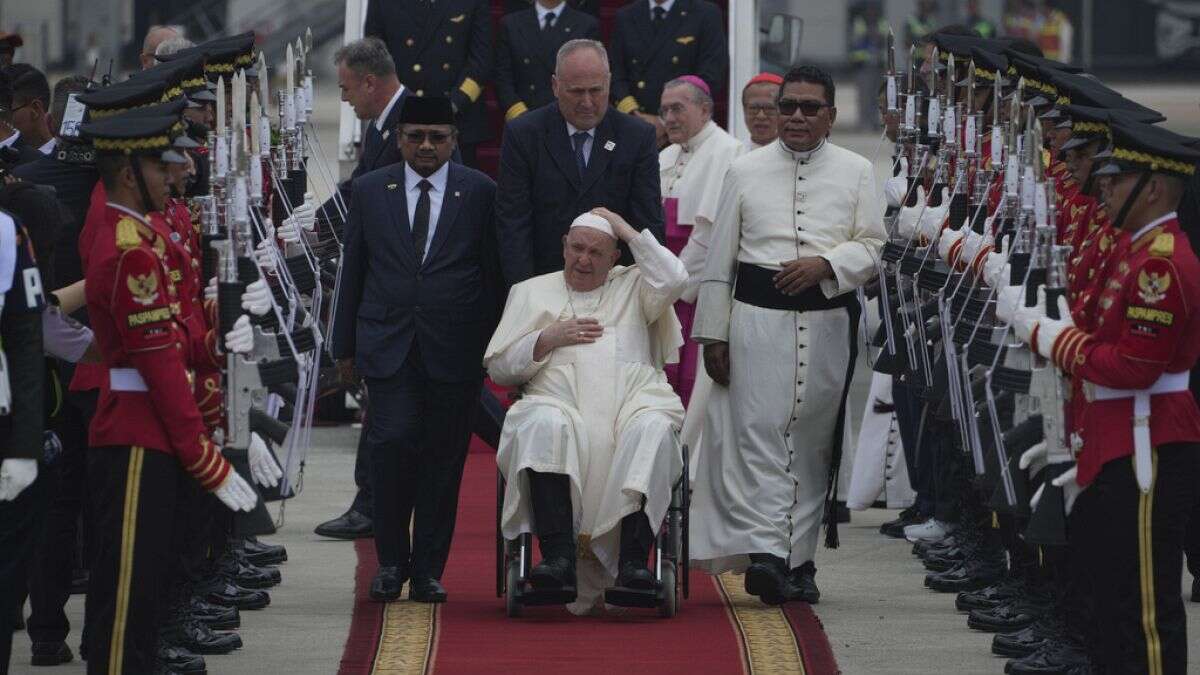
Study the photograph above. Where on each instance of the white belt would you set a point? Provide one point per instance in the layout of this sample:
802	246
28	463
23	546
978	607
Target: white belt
126	379
1167	383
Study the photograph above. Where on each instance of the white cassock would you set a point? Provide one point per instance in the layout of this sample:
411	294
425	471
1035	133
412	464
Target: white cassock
789	369
692	173
601	413
879	467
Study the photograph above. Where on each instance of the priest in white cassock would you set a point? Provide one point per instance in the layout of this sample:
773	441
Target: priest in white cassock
691	171
590	450
799	228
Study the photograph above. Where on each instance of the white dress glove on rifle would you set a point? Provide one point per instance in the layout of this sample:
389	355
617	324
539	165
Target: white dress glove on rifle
240	338
896	187
1008	300
210	290
910	216
1035	457
289	230
973	242
257	298
1049	329
305	215
265	253
263	468
236	493
946	242
15	476
1066	481
995	264
1026	318
931	221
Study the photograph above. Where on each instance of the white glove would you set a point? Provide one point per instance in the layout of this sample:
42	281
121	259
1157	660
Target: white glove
256	299
896	187
240	338
910	216
210	291
1035	455
933	217
973	242
265	253
1066	481
15	476
995	265
289	230
1049	329
947	241
1026	318
263	468
236	493
1008	300
305	215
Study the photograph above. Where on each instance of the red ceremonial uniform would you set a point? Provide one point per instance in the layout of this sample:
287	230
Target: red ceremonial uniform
1148	327
133	305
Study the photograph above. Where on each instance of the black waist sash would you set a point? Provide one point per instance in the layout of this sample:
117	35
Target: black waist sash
756	286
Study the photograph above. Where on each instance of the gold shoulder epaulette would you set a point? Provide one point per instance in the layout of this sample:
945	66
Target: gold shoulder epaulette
127	233
1163	245
1046	158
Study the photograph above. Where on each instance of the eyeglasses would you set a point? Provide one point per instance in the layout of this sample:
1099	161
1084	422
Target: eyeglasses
757	109
418	137
788	107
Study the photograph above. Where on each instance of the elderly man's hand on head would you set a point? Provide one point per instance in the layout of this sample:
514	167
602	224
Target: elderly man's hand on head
620	226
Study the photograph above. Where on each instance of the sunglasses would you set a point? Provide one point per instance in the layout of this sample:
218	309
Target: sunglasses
418	137
788	107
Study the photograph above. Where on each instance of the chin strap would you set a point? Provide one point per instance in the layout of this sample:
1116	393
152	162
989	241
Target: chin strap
1137	191
135	165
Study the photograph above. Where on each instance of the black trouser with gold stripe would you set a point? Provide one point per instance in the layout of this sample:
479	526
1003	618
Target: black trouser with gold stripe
1130	547
132	493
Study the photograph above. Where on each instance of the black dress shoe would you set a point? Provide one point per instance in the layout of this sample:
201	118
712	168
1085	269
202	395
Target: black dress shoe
388	583
219	591
1009	617
426	590
238	569
51	653
349	525
768	578
804	578
969	575
553	574
1054	656
1029	639
895	528
217	617
990	596
177	660
636	577
260	553
195	636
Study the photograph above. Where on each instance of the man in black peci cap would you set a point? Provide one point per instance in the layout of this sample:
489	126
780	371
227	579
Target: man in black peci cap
419	298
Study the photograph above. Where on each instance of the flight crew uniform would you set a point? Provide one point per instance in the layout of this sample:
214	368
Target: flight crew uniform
526	52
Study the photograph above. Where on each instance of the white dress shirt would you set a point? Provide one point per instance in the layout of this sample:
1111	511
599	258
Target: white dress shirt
48	147
387	110
8	142
665	5
438	180
543	11
587	144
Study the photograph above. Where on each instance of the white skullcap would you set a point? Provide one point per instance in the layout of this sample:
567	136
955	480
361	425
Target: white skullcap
595	222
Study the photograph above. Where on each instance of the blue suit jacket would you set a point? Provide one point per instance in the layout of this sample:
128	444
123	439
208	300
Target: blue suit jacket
384	154
387	301
541	191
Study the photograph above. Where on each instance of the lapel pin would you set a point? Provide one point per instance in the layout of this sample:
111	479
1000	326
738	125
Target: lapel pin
386	133
457	193
392	186
567	29
609	146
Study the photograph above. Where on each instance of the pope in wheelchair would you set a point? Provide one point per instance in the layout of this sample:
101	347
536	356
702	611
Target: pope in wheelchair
590	453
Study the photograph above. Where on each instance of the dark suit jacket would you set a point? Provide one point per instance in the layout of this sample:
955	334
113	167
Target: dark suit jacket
525	56
19	154
377	151
692	43
387	302
590	6
541	191
72	185
443	50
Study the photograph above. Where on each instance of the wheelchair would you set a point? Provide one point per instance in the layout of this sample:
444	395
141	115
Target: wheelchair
514	560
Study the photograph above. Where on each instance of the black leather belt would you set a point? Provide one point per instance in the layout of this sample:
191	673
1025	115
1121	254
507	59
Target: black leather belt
756	286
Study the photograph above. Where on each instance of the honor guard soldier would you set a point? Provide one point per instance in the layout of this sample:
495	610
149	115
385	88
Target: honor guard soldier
147	427
1138	433
526	49
656	41
441	48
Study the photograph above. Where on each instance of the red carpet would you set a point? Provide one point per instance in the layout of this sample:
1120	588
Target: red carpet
471	634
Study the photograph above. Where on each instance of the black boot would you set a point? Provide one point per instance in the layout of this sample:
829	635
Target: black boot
768	578
636	538
805	581
176	660
556	571
217	617
196	637
51	653
550	499
259	553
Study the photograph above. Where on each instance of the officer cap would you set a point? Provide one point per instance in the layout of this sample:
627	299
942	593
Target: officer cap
127	95
1090	122
188	67
169	109
1143	147
988	66
132	134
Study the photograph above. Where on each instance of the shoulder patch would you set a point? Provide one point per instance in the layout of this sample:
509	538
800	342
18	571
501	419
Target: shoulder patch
1163	245
127	233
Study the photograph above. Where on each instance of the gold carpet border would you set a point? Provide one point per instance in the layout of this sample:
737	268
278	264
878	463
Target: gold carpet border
407	638
768	643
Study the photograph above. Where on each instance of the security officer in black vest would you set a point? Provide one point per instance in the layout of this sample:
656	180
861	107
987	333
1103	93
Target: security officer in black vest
655	41
441	48
526	50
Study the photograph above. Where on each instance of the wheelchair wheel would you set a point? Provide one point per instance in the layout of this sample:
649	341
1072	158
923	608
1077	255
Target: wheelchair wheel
500	557
512	605
670	601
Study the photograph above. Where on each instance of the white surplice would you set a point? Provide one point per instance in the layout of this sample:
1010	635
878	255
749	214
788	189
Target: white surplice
764	492
601	413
